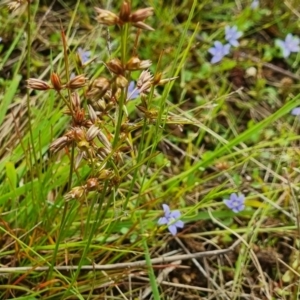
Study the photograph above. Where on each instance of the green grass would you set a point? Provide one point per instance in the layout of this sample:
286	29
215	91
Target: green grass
88	229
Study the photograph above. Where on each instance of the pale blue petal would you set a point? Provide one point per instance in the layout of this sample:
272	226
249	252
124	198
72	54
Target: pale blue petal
286	52
216	59
163	221
218	45
234	42
233	197
212	51
173	229
175	214
254	4
238	208
228	203
289	38
166	209
296	111
179	224
226	49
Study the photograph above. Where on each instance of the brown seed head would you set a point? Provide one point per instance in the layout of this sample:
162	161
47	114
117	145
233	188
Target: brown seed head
37	84
105	174
98	87
14	5
106	17
125	12
157	78
135	63
142	25
75	98
92	184
141	14
79	116
104	140
77	82
92	114
121	82
78	134
145	81
56	82
76	193
92	133
115	66
83	145
60	143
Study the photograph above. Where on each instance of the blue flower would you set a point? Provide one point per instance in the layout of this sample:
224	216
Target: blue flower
295	111
171	219
84	55
290	44
218	51
254	4
235	203
132	92
232	35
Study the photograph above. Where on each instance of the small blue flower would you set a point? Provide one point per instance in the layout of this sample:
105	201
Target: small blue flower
132	92
232	35
84	55
218	51
295	111
235	203
290	44
254	4
171	219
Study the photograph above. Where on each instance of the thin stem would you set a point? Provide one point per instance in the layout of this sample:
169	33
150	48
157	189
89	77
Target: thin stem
124	35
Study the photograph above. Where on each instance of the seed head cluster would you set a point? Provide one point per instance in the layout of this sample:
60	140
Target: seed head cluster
100	129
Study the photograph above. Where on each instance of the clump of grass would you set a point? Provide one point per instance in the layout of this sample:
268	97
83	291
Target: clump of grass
101	143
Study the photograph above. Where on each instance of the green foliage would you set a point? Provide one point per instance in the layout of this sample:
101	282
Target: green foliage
199	132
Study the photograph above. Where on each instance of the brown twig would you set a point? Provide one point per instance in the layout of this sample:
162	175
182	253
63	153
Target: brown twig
140	263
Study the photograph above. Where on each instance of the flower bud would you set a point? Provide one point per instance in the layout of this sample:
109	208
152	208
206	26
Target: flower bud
77	82
37	84
55	80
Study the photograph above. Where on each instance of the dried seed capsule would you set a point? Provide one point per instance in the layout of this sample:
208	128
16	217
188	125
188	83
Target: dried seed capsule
77	82
37	84
141	14
121	81
56	82
106	17
115	66
125	12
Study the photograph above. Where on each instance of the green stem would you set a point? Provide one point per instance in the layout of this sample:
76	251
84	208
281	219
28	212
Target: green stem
124	36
